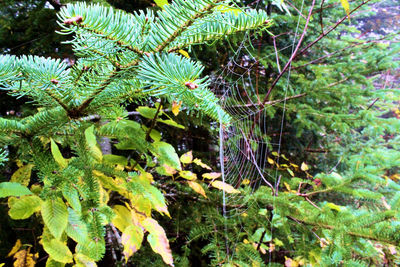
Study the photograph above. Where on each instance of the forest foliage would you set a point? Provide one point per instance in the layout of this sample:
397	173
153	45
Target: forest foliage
102	174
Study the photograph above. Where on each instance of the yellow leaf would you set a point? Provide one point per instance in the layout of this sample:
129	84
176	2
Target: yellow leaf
224	9
184	53
304	167
24	258
187	158
201	164
333	206
176	107
161	3
346	7
22	175
169	170
211	175
275	154
225	187
270	161
55	151
15	248
287	186
284	157
146	176
188	175
197	188
158	240
122	218
131	238
290	171
290	262
245	181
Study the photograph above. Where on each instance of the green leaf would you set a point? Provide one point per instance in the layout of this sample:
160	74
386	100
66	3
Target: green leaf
115	159
147	112
55	216
76	228
13	189
171	123
72	197
83	261
92	143
166	154
93	249
55	151
158	240
132	238
57	250
24	207
53	263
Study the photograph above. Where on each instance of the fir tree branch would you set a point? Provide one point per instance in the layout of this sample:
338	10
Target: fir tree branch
199	14
352	233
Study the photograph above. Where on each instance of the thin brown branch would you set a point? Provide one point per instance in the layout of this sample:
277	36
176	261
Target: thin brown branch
322	35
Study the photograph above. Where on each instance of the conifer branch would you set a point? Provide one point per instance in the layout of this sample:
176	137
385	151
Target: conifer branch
199	14
352	233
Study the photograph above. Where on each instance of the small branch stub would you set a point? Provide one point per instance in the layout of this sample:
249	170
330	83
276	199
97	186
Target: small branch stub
54	81
76	19
191	85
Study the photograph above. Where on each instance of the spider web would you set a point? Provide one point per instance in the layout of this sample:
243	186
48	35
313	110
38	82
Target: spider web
246	142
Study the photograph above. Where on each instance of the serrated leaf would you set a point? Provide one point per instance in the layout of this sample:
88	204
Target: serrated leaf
197	188
201	164
55	216
92	143
55	151
57	250
132	238
188	175
158	240
72	197
225	187
22	175
304	167
24	207
93	249
176	107
211	175
83	261
8	189
167	155
76	228
187	158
